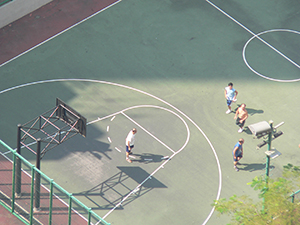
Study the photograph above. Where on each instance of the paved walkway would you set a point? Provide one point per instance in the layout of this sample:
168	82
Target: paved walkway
7	218
43	23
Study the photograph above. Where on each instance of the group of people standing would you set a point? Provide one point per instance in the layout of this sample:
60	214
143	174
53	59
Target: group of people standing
241	115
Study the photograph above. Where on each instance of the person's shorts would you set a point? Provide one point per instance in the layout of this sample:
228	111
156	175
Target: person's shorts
238	155
229	102
127	150
240	124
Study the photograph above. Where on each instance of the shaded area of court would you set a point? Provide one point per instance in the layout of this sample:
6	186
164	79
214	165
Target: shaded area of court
184	52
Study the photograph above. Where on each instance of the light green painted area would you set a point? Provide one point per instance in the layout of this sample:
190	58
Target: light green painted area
185	53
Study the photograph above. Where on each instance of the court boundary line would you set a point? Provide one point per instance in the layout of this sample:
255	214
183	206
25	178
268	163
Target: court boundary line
252	33
147	94
61	32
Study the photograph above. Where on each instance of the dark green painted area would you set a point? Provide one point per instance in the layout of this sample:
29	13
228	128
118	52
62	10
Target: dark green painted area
184	52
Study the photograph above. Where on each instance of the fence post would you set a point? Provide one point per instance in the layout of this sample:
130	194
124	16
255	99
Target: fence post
89	216
50	201
70	208
31	194
37	192
18	164
13	183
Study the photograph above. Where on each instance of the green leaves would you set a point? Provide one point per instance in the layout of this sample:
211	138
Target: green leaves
275	201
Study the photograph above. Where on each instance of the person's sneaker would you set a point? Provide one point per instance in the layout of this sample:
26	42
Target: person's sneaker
128	160
240	130
228	111
236	169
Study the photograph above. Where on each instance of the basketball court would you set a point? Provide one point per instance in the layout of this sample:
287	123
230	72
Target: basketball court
161	67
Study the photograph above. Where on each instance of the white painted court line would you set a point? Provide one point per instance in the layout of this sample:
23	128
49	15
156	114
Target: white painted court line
103	118
109	139
117	149
136	188
148	132
149	95
147	106
257	73
167	158
251	32
65	30
170	111
107	129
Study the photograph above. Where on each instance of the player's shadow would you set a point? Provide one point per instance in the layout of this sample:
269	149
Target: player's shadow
148	158
253	166
250	111
130	183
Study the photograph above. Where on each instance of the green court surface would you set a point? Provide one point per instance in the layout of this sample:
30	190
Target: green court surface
162	66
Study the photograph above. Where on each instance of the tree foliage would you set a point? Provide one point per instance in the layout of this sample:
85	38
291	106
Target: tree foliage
275	205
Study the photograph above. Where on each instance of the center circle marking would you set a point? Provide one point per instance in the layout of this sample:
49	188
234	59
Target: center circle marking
257	35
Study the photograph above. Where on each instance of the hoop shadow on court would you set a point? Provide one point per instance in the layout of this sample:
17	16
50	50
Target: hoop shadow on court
253	166
119	187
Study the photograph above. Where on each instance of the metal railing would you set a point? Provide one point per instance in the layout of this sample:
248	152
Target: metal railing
2	2
56	205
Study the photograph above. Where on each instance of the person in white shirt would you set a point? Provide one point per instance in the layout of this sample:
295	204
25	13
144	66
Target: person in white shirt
230	95
130	143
